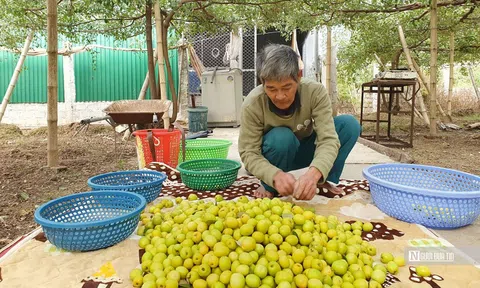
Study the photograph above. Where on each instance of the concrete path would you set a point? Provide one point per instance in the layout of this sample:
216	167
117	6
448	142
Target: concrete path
360	158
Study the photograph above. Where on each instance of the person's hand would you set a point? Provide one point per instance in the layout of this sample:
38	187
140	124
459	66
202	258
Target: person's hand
284	183
306	186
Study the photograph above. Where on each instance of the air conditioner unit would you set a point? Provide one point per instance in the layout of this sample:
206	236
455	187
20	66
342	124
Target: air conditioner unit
223	95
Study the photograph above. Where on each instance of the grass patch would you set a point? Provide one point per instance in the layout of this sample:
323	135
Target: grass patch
10	131
42	131
471	118
66	129
100	129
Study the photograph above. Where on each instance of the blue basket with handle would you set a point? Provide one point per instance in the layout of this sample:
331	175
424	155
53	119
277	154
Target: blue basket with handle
90	220
147	183
431	196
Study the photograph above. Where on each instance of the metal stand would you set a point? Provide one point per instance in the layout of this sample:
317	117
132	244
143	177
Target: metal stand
392	88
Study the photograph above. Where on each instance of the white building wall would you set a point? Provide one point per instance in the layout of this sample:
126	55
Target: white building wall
27	116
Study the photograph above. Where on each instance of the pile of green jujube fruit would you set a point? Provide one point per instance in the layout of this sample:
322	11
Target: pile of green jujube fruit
254	243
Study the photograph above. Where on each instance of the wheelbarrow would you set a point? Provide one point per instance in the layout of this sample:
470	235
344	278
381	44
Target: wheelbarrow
135	113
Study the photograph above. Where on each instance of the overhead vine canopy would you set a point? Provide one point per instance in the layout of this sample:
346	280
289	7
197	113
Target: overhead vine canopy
373	25
377	33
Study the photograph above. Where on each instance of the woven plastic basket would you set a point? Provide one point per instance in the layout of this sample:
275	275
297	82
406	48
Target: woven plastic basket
209	174
427	195
90	220
157	145
205	149
147	183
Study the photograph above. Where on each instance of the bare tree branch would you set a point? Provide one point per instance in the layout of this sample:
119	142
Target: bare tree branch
105	19
251	3
420	16
408	7
100	31
182	2
40	9
462	48
470	11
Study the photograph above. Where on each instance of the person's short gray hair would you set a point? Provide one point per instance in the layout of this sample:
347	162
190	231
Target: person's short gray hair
277	62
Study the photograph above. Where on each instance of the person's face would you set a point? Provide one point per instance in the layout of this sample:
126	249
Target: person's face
282	93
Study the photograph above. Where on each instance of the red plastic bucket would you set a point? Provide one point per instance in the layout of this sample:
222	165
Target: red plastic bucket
158	145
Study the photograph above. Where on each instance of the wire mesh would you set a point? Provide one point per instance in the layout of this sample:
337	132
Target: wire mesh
211	50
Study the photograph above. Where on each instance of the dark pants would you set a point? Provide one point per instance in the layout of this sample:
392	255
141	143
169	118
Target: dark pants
282	148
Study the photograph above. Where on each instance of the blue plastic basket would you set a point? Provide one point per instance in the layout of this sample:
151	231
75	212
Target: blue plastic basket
147	183
431	196
90	220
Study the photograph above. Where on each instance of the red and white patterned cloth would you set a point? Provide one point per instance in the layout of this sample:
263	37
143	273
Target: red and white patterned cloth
243	186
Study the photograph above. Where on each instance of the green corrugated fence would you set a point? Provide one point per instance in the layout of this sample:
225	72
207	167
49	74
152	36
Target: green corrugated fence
31	86
100	75
111	75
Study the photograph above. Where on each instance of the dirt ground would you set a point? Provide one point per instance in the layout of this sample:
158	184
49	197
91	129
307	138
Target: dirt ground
454	149
25	184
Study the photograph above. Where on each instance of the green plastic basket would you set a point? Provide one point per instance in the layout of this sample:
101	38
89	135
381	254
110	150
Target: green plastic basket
197	149
209	174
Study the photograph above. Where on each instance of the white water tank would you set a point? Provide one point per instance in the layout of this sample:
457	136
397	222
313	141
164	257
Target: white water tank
222	94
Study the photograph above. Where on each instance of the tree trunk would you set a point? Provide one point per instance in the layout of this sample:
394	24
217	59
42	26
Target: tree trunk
396	59
382	66
433	67
52	84
472	78
450	82
16	73
161	61
410	65
151	64
171	84
143	91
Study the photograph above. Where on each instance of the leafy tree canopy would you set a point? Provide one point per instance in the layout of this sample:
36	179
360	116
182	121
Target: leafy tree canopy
373	25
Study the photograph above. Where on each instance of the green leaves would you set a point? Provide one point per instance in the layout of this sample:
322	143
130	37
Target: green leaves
371	31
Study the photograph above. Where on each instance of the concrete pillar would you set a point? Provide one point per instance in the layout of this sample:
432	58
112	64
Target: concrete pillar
69	88
445	78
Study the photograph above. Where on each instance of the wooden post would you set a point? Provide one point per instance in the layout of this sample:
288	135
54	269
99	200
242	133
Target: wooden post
433	67
150	53
317	66
52	84
425	85
328	74
161	60
450	82
171	85
472	78
410	65
423	79
16	73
